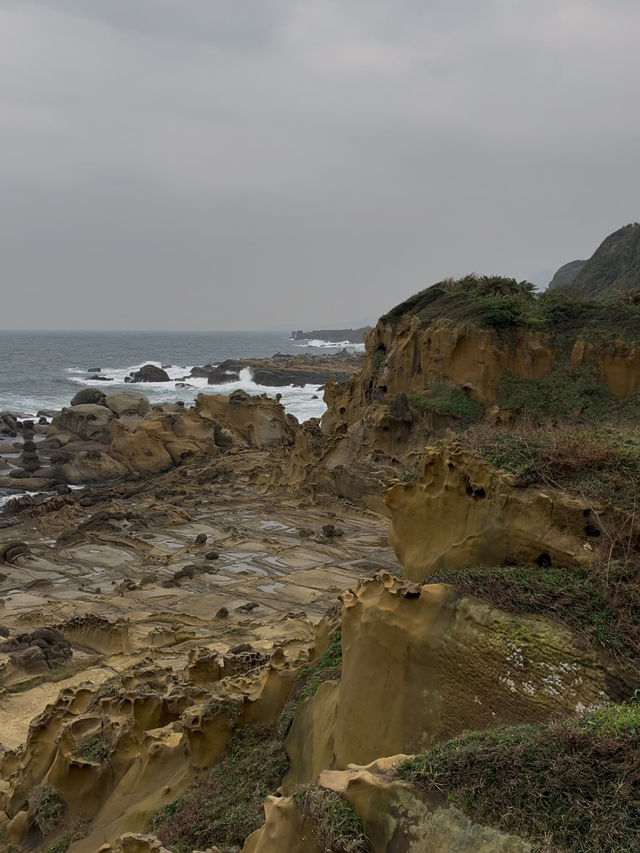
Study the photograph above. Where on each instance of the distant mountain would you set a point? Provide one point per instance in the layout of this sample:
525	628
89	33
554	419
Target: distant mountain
566	274
613	268
353	336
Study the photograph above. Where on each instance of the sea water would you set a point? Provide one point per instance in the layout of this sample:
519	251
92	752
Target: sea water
43	370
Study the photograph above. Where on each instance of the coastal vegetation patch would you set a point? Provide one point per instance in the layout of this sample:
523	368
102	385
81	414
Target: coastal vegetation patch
337	826
505	304
599	463
46	808
447	399
95	748
228	805
565	394
327	668
571	786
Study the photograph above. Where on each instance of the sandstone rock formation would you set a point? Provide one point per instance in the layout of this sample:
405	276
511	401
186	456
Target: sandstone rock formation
461	511
444	664
283	369
394	817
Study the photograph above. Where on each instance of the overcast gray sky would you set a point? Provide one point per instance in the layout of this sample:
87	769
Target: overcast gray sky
212	164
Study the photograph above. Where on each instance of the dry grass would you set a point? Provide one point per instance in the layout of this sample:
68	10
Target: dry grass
600	463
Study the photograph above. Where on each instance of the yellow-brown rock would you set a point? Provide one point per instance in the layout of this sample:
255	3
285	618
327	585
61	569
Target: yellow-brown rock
424	664
462	511
285	830
161	440
260	421
618	367
408	359
394	816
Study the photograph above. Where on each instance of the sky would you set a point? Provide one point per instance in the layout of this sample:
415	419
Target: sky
258	164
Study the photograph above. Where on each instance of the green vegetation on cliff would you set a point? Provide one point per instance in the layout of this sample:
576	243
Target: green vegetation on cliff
571	787
600	463
447	399
495	302
490	301
326	668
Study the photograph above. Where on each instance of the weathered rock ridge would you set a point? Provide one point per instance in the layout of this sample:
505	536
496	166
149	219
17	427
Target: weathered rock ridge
461	511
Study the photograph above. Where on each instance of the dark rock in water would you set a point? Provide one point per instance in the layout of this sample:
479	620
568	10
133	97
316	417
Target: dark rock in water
330	531
278	377
149	373
183	386
88	396
202	372
211	555
46	413
201	538
222	613
93	370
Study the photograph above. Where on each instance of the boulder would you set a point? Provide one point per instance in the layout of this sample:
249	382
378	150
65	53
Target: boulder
88	395
88	421
88	466
149	373
128	403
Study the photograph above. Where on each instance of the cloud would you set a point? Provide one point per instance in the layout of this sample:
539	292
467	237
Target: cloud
305	160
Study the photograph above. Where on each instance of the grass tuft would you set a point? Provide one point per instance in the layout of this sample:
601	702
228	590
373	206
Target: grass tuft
570	788
95	748
337	826
326	668
45	807
62	844
223	809
447	399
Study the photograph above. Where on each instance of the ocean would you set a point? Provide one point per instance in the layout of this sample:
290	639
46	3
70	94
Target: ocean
43	370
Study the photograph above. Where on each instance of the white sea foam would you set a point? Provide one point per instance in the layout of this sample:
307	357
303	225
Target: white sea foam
297	401
6	498
316	343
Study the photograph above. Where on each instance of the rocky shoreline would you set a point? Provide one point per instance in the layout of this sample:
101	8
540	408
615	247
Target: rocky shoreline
250	634
278	371
76	446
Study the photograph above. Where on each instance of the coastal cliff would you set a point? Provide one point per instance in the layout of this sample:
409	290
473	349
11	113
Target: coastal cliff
410	626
